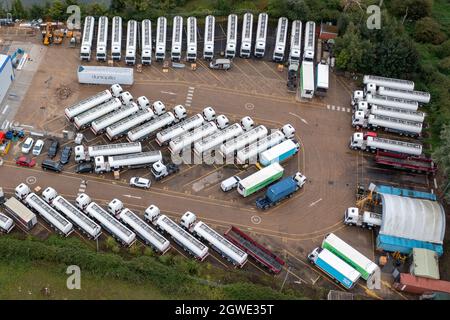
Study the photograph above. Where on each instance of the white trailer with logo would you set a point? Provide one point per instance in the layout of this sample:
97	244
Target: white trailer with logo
247	33
261	35
146	45
230	50
309	49
251	152
419	96
161	34
55	219
296	42
145	130
83	222
132	160
389	82
280	44
102	38
86	42
218	242
163	137
188	242
186	140
217	138
210	26
229	148
121	128
85	119
130	54
99	125
177	38
116	39
191	55
111	224
144	231
106	150
87	103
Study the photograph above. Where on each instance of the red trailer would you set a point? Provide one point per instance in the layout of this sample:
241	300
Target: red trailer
405	162
260	253
412	284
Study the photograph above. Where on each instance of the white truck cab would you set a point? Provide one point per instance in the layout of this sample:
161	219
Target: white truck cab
357	96
247	123
80	154
188	219
21	191
222	121
179	112
288	131
49	194
126	97
115	206
209	114
300	179
151	213
82	201
370	88
116	90
367	220
143	102
359	119
362	106
159	108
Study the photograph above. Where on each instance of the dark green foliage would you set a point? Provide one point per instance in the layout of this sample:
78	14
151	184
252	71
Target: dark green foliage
17	10
428	30
413	9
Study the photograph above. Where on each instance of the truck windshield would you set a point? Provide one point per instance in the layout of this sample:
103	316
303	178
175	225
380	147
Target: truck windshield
245	51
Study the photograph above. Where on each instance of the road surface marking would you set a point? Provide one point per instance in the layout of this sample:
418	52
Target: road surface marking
168	92
333	107
5	124
328	106
315	202
297	116
130	196
348	110
6	108
338	108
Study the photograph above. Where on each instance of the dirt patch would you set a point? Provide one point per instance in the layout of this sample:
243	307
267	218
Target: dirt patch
63	92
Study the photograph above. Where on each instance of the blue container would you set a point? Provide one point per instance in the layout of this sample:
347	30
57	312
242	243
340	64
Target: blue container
405	246
281	189
406	193
334	273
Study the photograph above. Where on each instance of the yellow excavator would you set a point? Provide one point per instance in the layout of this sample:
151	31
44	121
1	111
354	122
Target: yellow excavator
48	34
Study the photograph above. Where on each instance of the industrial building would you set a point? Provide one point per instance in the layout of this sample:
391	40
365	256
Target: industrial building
6	75
411	223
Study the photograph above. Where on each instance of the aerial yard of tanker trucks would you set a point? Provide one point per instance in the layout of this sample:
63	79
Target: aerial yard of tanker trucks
235	163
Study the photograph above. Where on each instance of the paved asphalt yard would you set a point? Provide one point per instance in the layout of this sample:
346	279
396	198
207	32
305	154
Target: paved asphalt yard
254	88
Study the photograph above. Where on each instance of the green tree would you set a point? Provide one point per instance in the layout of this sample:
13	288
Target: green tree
428	30
277	8
442	156
17	10
57	11
412	9
350	50
96	9
444	49
36	11
298	9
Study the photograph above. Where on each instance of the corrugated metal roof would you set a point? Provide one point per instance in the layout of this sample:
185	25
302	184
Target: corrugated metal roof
425	264
410	218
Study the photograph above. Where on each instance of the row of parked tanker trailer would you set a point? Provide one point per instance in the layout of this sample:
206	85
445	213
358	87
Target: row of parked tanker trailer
91	219
392	105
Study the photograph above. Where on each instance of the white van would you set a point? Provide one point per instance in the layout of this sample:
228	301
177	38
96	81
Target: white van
230	183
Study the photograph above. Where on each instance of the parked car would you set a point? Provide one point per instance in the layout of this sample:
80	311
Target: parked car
38	146
85	167
53	150
27	145
65	155
220	64
140	182
51	165
25	161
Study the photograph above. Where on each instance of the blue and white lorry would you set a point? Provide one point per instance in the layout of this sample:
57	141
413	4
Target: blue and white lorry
281	190
335	267
279	153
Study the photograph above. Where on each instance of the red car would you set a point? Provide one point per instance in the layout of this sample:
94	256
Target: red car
24	161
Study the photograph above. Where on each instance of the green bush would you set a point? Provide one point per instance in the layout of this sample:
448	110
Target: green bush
444	49
427	30
444	65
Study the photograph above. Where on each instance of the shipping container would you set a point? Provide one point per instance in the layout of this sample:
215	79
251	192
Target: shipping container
419	285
